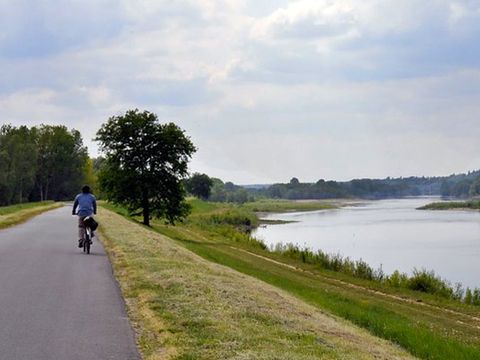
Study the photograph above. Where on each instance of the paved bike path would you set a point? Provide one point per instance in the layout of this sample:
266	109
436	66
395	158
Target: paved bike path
56	302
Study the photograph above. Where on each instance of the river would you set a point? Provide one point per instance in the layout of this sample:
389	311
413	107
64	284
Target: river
391	234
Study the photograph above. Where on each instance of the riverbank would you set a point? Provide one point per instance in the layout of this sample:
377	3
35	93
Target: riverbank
429	326
262	208
379	231
281	206
452	205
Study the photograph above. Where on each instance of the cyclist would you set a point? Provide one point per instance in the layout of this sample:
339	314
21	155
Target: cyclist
87	205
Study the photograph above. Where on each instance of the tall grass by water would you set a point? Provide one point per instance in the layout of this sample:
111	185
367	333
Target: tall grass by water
421	279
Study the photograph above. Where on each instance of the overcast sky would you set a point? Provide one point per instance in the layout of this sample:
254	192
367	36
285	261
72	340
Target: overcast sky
267	90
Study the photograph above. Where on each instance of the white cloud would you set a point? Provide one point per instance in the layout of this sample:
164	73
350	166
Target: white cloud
307	19
319	88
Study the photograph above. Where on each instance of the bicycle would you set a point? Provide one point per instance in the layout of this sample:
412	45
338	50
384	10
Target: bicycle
90	226
88	240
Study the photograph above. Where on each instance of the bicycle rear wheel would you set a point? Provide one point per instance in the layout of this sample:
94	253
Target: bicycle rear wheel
86	244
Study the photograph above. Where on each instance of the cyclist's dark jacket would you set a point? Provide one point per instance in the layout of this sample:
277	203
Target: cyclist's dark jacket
86	203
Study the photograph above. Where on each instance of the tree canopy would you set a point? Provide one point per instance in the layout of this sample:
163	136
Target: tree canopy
199	185
40	163
145	163
61	162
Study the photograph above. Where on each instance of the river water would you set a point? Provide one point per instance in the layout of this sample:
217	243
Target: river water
391	234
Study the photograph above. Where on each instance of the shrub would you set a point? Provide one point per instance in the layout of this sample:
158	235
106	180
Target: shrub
468	296
428	282
234	217
363	270
397	279
476	297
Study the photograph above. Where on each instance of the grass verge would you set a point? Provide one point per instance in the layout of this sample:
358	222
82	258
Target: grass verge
16	214
185	307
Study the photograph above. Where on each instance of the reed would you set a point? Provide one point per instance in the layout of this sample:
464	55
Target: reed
421	279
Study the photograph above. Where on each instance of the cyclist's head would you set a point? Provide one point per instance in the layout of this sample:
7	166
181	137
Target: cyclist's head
86	189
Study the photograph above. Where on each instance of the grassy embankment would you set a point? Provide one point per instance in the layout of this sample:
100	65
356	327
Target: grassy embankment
185	307
452	205
267	206
278	206
429	326
16	214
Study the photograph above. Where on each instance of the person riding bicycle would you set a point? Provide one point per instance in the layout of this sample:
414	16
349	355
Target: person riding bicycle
87	205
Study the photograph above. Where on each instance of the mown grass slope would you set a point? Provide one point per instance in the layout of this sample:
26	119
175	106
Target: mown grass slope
428	326
186	307
16	214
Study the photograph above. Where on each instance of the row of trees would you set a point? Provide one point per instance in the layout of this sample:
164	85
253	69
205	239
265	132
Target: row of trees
462	185
459	186
144	166
41	163
360	188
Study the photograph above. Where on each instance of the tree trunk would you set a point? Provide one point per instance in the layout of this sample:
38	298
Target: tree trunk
45	197
146	207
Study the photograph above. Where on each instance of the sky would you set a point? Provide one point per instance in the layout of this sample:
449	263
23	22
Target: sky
267	90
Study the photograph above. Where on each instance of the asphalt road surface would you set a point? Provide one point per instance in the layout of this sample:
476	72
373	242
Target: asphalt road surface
55	301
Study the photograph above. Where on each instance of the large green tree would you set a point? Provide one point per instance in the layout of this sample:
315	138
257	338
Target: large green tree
199	185
40	163
61	162
145	163
18	155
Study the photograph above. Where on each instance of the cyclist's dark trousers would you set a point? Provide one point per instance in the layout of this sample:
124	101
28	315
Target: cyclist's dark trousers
81	228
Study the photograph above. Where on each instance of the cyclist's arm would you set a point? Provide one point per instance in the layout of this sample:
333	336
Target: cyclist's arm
75	204
94	206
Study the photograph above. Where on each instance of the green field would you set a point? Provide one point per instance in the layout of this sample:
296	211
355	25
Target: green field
16	214
428	326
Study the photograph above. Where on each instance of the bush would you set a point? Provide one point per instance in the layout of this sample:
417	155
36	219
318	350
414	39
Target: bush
397	279
476	297
234	217
428	282
468	297
363	270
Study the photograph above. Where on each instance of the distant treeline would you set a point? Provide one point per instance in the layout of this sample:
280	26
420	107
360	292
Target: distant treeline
41	163
457	186
461	186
